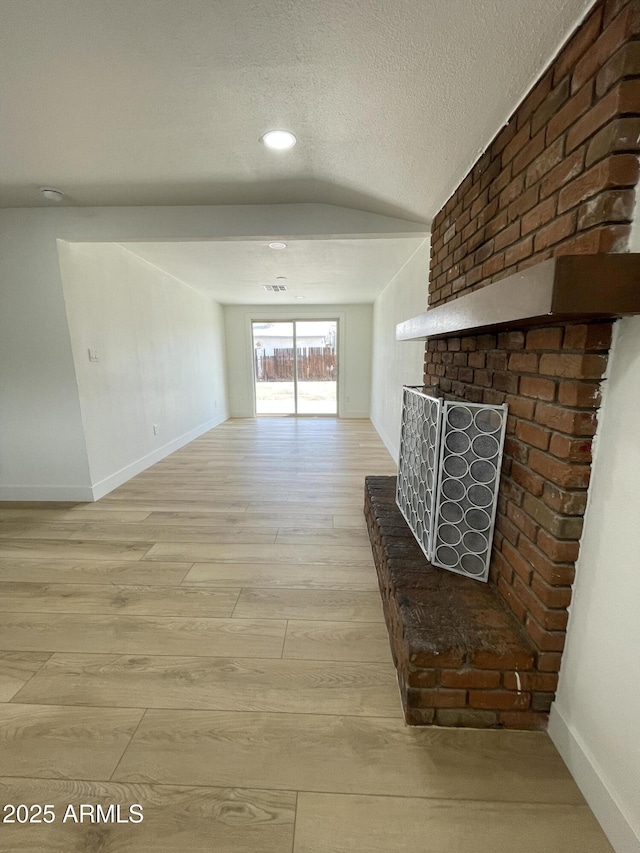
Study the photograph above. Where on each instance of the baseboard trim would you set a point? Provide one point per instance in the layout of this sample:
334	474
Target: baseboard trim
99	490
390	445
88	494
586	773
343	416
63	494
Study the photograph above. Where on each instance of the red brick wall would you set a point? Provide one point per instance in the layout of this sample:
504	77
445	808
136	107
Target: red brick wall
559	178
549	377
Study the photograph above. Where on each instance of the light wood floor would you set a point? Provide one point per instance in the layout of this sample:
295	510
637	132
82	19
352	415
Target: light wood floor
208	641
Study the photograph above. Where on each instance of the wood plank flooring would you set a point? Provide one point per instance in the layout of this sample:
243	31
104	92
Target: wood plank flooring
207	641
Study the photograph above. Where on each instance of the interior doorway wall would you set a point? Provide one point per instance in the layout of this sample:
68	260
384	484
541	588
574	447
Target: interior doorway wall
295	367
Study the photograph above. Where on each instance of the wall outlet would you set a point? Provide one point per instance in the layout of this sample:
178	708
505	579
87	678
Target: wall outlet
156	429
348	399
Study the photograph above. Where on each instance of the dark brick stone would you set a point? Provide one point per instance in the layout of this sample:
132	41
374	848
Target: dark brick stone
439	622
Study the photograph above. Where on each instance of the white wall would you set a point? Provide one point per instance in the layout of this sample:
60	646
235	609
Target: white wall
354	353
43	454
397	363
160	349
595	719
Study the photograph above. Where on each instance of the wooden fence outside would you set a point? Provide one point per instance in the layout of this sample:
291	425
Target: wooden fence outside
315	364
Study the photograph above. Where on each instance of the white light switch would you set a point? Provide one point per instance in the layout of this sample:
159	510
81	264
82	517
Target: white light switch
93	354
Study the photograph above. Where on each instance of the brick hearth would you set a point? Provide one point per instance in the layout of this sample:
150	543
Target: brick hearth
462	658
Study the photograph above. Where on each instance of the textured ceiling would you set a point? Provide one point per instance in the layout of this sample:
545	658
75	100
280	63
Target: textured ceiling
325	272
131	102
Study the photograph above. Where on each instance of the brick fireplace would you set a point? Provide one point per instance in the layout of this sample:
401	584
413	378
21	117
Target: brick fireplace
559	179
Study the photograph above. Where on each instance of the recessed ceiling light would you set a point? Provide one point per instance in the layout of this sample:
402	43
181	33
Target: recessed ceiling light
281	278
51	194
301	297
277	245
279	140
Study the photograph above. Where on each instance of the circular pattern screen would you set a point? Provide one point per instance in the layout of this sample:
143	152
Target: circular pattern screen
417	473
472	437
448	475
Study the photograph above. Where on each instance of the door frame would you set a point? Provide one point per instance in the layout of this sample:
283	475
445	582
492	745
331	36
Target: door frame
293	321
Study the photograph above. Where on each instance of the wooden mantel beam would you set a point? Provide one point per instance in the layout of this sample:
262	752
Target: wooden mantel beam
560	290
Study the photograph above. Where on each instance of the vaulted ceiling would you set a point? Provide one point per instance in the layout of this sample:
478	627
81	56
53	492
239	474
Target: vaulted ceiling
137	102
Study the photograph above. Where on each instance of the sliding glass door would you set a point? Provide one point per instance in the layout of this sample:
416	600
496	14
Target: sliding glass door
274	368
296	367
316	367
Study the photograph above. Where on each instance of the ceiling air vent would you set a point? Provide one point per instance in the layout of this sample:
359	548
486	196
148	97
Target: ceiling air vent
274	288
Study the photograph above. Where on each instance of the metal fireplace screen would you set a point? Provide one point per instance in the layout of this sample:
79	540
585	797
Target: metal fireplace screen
448	478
